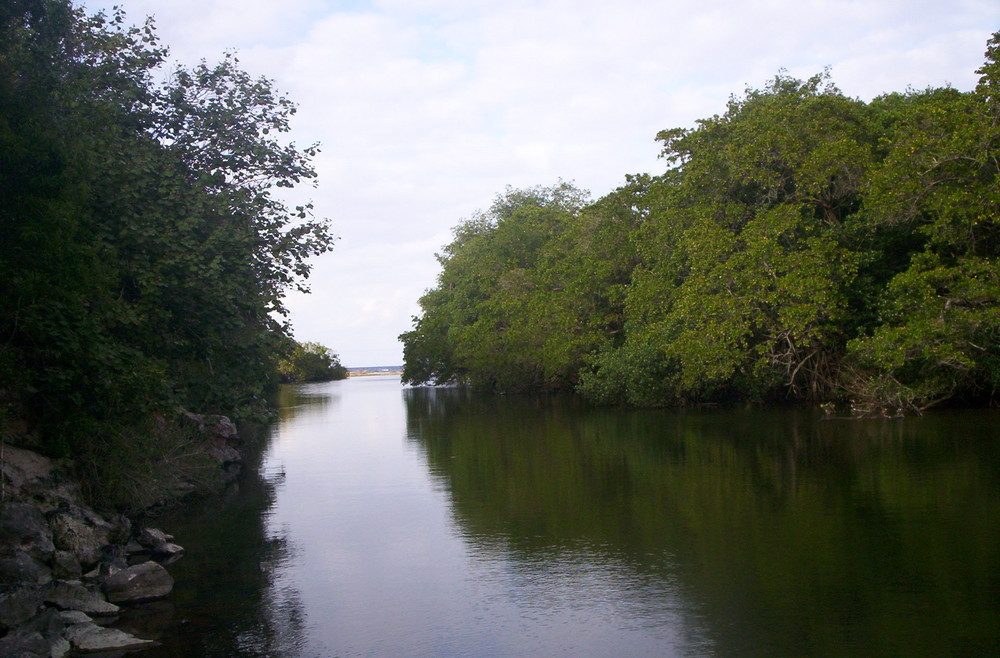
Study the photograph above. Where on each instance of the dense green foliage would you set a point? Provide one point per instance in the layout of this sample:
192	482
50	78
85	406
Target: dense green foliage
145	255
802	245
310	362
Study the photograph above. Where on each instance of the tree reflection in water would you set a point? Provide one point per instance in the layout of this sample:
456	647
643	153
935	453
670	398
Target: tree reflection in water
439	522
231	597
784	534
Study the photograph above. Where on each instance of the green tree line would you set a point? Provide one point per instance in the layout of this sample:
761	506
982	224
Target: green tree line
310	362
802	245
145	252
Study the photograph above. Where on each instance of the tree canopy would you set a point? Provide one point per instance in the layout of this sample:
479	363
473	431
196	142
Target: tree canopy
802	245
145	254
310	362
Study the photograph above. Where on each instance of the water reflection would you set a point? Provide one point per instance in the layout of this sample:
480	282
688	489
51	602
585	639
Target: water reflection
767	532
231	597
311	399
390	521
225	600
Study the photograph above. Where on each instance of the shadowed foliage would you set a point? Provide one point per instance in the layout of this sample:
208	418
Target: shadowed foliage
145	256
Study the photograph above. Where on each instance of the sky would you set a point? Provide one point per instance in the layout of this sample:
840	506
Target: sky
426	110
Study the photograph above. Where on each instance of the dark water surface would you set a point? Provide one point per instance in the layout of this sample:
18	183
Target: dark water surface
408	522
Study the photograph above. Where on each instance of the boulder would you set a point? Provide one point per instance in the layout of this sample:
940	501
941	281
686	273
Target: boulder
66	565
48	623
23	527
18	569
71	617
213	425
168	553
152	537
159	544
221	434
115	559
18	607
70	596
28	474
223	453
91	638
59	647
140	582
39	636
80	532
24	644
120	529
22	467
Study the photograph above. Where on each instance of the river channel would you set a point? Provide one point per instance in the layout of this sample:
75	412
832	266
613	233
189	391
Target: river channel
390	521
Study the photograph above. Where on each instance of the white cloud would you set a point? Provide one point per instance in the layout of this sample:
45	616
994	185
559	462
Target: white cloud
426	109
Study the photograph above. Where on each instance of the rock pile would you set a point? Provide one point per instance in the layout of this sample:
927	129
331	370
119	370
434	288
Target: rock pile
65	570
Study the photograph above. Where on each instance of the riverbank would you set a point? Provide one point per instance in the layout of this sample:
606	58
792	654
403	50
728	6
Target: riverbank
67	571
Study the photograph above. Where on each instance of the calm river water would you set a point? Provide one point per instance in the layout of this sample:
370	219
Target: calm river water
388	521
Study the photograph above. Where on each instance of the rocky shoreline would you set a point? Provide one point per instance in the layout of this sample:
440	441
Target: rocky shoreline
68	572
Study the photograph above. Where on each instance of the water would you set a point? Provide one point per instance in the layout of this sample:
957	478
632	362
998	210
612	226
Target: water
408	522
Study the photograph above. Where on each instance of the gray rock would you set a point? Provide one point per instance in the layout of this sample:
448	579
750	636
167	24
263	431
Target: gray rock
213	425
70	596
140	582
18	607
109	568
24	644
59	647
159	543
81	532
152	537
223	453
47	622
120	529
70	617
17	569
169	552
220	433
28	474
90	638
114	558
66	565
22	527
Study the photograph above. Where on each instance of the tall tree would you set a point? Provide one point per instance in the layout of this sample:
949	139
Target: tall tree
939	334
746	288
802	245
145	254
481	323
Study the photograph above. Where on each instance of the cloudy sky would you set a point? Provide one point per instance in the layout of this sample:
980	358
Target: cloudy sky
427	109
